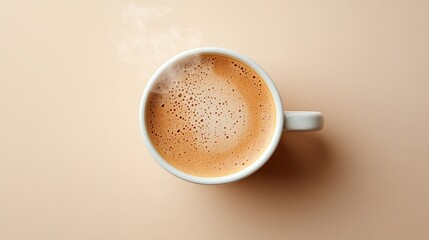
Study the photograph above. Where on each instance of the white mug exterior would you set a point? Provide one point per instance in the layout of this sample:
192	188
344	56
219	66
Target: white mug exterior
303	121
311	125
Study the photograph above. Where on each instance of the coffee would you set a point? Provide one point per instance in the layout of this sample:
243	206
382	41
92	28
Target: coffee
210	115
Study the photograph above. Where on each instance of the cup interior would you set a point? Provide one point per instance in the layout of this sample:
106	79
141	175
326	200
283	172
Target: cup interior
266	153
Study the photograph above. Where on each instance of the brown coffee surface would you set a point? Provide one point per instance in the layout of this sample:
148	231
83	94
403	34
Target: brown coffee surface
210	116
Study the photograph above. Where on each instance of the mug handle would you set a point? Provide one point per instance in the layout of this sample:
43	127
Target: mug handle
303	121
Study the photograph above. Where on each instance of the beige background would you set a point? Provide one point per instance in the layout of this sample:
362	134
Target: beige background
73	165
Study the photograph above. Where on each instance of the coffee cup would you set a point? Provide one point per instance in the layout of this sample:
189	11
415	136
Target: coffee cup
213	116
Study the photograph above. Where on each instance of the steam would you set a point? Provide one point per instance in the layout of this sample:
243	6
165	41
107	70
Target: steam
147	37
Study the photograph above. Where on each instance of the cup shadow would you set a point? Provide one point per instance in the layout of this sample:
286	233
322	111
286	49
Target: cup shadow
304	181
302	169
298	157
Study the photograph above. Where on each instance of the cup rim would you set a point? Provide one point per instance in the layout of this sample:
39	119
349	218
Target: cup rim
258	163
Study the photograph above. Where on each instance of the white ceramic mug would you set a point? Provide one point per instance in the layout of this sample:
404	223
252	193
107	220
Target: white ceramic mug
289	120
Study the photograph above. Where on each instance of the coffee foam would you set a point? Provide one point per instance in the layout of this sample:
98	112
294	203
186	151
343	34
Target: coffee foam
210	115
